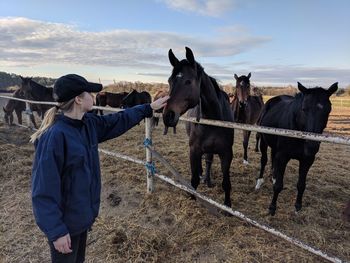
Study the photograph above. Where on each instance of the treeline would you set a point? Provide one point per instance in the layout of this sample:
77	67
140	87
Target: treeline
10	81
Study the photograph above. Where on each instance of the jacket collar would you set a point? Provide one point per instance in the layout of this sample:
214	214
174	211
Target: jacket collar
70	121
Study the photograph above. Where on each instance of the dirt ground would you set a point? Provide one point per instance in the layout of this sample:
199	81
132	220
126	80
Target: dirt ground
167	226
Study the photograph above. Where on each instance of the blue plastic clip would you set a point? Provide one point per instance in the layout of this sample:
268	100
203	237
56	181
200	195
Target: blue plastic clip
147	142
151	167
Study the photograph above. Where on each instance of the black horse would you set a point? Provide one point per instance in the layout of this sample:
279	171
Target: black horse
308	111
246	109
114	100
35	91
192	89
18	107
136	98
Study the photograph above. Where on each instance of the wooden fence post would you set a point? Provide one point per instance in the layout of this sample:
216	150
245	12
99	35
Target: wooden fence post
148	138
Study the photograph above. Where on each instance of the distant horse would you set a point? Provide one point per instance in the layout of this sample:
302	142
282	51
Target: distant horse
308	111
35	91
155	120
193	90
111	99
246	109
18	107
136	98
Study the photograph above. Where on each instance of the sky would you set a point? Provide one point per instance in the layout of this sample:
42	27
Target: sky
279	42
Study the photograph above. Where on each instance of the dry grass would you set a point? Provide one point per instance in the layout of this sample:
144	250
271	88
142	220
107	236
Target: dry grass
167	226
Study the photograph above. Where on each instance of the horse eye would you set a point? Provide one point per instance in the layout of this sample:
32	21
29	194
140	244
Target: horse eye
188	82
179	75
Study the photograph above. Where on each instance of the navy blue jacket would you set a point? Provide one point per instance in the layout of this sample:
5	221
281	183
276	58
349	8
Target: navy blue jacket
66	180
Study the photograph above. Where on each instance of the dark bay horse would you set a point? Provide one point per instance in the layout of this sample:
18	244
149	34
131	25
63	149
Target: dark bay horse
155	120
246	109
308	111
193	90
35	91
136	98
18	107
111	99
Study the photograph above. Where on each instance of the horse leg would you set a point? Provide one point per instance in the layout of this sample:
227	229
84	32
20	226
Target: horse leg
304	166
226	159
165	132
280	164
263	161
101	112
33	120
273	153
174	129
208	161
246	135
19	116
257	137
196	167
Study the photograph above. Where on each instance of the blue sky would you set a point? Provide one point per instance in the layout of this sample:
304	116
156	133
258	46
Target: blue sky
280	42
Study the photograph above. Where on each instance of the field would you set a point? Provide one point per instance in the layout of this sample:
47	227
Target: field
167	226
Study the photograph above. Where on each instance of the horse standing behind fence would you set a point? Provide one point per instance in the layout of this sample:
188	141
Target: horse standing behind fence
308	111
35	91
192	89
136	98
155	120
246	109
18	107
111	99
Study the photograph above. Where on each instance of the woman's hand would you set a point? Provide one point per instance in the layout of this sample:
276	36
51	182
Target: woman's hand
159	103
63	244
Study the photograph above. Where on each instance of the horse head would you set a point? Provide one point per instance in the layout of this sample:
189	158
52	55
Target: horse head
242	89
184	84
25	88
314	111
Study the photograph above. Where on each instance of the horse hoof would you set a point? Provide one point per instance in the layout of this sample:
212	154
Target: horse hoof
245	162
272	210
259	182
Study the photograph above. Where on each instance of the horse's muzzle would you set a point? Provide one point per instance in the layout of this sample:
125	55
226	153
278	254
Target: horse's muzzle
170	118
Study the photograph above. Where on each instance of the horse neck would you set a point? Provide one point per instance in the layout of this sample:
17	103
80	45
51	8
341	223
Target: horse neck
38	91
210	103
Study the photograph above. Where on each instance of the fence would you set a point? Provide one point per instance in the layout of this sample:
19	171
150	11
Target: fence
186	187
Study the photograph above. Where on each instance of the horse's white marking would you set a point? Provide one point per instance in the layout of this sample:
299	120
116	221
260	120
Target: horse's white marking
259	182
245	162
179	75
273	180
319	105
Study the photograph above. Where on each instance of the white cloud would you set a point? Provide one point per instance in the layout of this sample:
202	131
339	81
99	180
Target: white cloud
213	8
34	42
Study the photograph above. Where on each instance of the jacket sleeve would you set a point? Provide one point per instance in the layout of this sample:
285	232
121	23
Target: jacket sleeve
46	188
113	125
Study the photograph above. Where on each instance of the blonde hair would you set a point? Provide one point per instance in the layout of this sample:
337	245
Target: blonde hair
49	118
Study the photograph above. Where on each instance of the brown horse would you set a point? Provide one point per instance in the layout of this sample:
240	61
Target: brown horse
192	90
111	99
246	109
35	91
18	107
155	120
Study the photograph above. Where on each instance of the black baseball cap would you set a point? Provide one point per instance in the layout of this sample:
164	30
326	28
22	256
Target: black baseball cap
69	86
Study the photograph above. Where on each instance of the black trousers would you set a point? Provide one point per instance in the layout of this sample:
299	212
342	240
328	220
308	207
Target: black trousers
78	245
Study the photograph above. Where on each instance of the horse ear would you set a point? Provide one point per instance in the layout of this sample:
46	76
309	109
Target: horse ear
332	89
190	56
302	88
236	77
173	60
249	75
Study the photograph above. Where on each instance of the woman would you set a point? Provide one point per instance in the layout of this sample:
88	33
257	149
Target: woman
66	182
